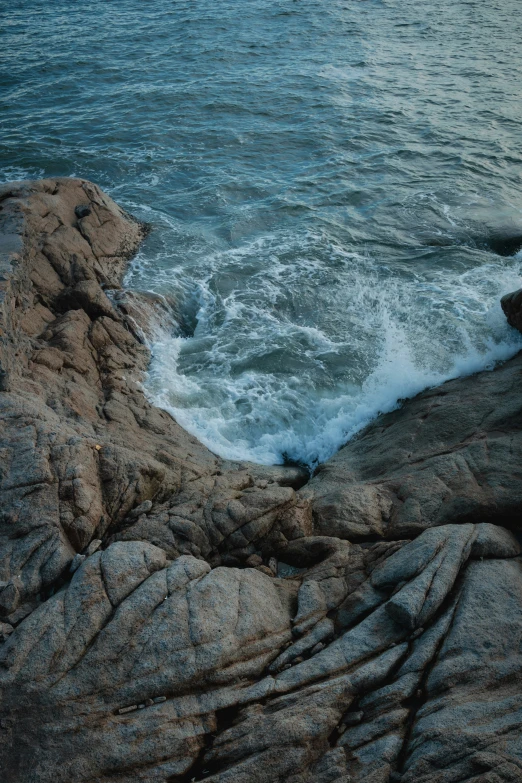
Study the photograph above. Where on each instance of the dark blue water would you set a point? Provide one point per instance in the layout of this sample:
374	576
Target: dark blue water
329	184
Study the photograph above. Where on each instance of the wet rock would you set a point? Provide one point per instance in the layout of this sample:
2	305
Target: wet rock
512	307
148	315
505	242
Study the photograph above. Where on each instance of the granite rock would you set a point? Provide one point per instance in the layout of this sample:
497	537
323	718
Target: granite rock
169	616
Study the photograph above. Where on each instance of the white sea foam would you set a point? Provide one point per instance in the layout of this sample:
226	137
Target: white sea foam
16	173
266	377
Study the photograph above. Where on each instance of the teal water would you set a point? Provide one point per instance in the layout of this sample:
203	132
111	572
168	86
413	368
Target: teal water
330	186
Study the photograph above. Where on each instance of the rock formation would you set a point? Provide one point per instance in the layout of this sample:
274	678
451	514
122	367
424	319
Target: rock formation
169	616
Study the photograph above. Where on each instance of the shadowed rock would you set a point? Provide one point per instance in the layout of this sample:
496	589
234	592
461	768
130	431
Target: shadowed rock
512	307
505	243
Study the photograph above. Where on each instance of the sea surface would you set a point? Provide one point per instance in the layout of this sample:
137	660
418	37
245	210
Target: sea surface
335	190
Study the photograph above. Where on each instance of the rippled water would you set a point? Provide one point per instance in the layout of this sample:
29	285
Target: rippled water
330	185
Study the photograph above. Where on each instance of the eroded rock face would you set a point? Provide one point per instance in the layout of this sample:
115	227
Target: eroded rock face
168	616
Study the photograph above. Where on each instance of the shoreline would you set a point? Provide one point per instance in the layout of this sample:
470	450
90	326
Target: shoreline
311	426
167	615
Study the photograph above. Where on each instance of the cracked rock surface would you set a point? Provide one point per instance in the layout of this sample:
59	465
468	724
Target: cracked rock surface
169	616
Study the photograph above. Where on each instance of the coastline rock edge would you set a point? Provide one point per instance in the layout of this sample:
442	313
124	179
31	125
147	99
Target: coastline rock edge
166	615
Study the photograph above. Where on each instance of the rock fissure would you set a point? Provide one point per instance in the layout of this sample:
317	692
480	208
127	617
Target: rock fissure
416	701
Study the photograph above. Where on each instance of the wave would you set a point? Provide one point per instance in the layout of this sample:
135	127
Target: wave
260	381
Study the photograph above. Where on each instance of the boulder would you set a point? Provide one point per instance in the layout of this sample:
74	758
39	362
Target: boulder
512	307
445	456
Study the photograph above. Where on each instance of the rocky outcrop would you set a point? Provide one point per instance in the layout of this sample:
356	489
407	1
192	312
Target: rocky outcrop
169	616
449	455
512	307
84	453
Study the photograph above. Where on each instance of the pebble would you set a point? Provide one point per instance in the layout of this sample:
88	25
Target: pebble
159	699
123	710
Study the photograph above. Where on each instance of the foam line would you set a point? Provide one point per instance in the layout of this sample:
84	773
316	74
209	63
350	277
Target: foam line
256	382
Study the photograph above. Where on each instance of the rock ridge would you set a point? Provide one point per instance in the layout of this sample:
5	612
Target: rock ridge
166	615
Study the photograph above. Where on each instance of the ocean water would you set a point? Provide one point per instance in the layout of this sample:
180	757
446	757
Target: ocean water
334	187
